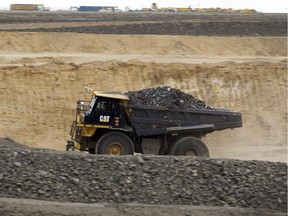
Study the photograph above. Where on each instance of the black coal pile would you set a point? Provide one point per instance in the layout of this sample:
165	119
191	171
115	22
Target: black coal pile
77	177
165	97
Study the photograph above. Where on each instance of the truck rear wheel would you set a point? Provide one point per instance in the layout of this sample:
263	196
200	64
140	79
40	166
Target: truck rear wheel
189	146
114	143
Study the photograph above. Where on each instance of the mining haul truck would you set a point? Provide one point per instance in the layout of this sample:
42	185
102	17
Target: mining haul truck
107	124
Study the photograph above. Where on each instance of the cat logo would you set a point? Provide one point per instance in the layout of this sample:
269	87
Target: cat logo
104	118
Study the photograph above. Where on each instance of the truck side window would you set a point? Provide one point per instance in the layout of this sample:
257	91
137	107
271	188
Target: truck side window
107	106
97	108
114	107
103	106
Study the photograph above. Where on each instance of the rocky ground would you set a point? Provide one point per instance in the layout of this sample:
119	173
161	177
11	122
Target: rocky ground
229	24
235	61
76	177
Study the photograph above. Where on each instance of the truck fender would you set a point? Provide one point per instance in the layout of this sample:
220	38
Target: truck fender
88	131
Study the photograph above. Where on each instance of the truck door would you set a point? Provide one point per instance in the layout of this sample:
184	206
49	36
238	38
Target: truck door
104	114
109	113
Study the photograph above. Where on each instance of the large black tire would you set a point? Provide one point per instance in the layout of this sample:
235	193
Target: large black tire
114	143
189	146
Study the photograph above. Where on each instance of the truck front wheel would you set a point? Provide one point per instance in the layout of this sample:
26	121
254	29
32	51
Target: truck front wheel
189	146
114	143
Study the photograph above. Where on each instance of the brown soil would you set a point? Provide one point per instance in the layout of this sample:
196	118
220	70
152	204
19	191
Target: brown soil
43	75
40	93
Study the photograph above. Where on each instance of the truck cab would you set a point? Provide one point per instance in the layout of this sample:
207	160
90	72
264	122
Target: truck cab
103	113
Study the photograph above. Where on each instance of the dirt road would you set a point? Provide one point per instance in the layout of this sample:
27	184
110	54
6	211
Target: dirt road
27	207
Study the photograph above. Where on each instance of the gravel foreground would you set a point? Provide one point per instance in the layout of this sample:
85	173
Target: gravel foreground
41	174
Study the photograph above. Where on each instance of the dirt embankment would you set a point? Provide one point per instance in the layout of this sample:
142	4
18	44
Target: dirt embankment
43	75
41	116
51	44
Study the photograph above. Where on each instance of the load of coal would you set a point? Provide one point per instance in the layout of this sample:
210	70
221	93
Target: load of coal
167	97
41	174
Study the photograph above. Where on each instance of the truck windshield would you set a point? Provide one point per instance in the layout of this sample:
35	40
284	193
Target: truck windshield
91	106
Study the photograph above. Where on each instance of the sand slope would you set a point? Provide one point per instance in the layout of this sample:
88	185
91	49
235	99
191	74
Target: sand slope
41	81
39	42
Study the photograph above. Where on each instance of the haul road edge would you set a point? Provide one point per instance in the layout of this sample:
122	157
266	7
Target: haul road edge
107	124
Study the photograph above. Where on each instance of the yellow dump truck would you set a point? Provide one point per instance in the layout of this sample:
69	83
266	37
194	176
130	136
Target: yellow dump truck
108	124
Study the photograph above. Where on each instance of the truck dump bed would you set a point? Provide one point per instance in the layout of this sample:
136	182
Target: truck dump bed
149	120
